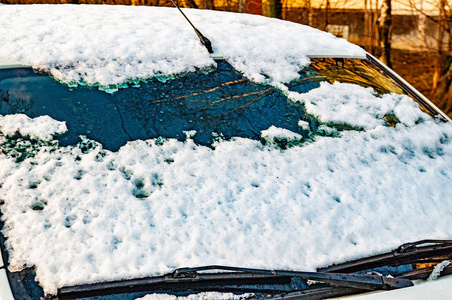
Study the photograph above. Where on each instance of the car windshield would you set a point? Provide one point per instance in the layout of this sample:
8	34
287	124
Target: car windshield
214	103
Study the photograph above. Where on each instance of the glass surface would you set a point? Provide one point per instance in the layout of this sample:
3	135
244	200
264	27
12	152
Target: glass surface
220	102
354	71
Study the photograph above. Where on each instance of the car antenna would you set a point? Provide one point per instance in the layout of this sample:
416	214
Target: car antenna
205	41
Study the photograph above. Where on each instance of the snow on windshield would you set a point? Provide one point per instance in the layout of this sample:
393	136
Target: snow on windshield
42	128
359	107
85	214
110	45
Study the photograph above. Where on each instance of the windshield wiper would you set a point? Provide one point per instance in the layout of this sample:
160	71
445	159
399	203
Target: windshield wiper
332	281
241	279
421	252
368	282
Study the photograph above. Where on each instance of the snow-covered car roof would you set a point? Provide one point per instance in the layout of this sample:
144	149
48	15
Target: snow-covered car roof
108	45
74	212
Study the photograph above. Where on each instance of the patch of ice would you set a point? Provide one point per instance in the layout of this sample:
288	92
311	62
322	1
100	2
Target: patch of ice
42	128
135	42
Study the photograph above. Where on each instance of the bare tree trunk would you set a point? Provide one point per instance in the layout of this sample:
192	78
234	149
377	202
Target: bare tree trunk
327	7
190	4
310	13
367	26
385	32
242	6
274	8
443	92
371	26
207	4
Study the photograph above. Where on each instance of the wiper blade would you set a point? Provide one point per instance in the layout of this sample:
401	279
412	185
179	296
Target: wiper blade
328	281
241	279
409	247
423	251
360	281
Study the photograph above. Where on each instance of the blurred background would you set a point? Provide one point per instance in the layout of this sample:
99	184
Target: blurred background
414	37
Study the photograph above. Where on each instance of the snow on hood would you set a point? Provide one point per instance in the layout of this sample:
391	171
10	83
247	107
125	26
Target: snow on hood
91	215
109	45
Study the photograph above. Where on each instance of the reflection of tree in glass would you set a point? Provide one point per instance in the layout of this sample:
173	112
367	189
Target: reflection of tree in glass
13	105
221	102
344	70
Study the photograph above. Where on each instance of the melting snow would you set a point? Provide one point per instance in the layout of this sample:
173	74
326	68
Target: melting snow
342	103
81	216
438	269
85	214
42	128
273	133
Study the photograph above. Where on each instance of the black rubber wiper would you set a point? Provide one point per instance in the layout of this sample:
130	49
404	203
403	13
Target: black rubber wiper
426	245
327	282
241	279
423	251
368	282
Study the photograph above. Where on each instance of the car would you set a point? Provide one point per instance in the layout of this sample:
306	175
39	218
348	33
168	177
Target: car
230	157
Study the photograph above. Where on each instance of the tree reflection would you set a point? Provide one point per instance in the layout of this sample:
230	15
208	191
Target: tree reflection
218	102
13	105
354	71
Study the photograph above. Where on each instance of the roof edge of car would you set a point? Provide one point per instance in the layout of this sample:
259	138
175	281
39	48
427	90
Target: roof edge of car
12	65
219	56
16	64
354	56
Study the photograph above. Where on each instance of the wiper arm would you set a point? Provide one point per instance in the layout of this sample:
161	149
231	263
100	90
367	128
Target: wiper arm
241	279
408	253
329	280
408	247
359	281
